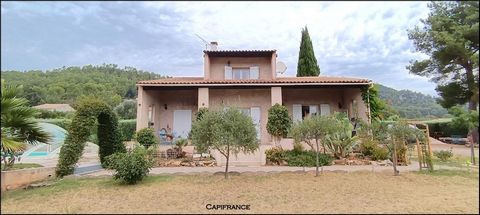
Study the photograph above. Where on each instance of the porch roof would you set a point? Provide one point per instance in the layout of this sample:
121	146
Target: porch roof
279	81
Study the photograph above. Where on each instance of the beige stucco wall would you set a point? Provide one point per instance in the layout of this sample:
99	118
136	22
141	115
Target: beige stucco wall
355	94
276	95
22	177
143	101
178	99
311	96
331	96
245	98
217	66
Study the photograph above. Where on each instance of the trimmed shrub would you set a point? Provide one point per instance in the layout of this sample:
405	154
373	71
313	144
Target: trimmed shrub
297	157
146	137
298	147
63	123
46	114
127	129
132	166
367	147
379	153
279	122
88	113
446	129
200	113
443	155
275	155
307	158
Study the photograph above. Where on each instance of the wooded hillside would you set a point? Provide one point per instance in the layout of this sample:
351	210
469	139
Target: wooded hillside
67	84
113	84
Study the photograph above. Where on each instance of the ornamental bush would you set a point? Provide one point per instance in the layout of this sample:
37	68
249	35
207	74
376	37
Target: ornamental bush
132	166
127	129
279	122
89	112
146	137
443	155
297	157
379	153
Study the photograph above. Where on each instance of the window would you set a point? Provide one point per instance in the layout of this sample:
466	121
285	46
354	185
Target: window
241	73
300	112
245	111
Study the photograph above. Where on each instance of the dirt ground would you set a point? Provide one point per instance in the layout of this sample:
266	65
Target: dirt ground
332	192
456	149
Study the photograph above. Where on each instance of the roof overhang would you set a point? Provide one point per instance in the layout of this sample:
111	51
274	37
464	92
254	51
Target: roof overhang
240	53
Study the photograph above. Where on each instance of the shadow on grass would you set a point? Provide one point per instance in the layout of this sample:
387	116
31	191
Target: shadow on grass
64	184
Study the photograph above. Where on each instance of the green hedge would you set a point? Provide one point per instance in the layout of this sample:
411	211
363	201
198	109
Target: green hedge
126	127
64	123
297	157
446	129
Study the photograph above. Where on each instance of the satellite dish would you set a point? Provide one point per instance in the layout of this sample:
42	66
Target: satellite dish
281	67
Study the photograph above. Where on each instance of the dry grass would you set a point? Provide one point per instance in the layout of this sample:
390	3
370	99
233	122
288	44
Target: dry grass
359	192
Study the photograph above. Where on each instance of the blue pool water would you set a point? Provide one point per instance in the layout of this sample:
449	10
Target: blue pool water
42	149
38	154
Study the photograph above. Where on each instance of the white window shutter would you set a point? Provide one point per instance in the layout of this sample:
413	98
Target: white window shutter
255	114
297	113
228	73
254	72
313	109
324	109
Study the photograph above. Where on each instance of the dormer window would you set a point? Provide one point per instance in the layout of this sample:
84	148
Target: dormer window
240	73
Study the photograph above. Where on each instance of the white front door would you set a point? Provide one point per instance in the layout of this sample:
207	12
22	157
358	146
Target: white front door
182	122
255	114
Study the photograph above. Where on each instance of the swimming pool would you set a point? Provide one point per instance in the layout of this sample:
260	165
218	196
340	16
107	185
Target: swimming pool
42	149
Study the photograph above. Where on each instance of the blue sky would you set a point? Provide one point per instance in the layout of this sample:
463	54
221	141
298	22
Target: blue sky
359	39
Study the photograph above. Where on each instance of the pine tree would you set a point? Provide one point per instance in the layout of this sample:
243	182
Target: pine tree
307	63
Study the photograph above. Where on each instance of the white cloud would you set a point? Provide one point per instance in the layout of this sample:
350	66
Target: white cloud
366	39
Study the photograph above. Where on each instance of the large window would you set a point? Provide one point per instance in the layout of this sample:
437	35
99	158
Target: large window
241	73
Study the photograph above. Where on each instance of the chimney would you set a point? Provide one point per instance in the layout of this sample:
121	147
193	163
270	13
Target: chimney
213	46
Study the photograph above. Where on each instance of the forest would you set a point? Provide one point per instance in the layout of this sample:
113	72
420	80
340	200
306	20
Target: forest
411	104
114	84
69	84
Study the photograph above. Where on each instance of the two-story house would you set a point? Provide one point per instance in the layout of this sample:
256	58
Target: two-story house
246	79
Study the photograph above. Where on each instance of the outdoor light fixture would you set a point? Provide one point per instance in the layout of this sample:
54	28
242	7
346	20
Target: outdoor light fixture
165	105
228	63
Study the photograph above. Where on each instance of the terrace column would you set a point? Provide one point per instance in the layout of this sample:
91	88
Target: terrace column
276	94
203	97
142	109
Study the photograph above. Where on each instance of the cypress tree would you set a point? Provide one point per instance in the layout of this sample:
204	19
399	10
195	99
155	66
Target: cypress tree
307	63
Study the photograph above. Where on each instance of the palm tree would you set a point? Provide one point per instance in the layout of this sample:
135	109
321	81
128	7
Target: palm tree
17	126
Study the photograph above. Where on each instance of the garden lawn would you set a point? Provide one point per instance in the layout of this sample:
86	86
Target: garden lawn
24	166
333	192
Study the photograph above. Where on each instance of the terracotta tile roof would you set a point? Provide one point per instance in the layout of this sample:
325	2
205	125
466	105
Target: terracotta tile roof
57	107
322	80
240	53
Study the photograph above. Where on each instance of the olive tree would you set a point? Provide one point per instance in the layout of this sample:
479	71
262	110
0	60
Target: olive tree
313	128
278	122
400	132
229	132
